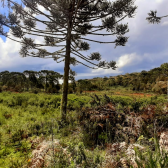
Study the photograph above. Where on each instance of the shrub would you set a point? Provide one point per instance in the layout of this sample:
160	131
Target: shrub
18	88
79	90
136	105
52	90
70	90
152	159
33	101
41	102
20	100
4	88
10	102
36	91
55	101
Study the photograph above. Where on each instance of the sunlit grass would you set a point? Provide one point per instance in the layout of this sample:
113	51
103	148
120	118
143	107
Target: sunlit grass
25	116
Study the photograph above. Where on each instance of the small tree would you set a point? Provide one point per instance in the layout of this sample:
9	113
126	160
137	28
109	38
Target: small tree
66	23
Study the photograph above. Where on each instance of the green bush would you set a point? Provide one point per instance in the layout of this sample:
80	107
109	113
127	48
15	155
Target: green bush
33	101
20	100
136	105
9	102
41	102
51	89
35	90
124	101
2	120
70	91
55	101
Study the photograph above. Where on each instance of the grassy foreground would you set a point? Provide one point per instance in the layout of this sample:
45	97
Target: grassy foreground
27	119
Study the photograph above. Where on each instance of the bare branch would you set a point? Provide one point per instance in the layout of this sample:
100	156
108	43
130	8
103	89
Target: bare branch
97	41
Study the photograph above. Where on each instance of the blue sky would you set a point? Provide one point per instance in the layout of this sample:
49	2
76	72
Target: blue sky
146	48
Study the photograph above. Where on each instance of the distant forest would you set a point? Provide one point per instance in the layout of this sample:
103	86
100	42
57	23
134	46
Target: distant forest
154	80
30	80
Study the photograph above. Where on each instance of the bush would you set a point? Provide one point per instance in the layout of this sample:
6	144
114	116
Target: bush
20	100
70	91
4	88
52	90
41	102
136	105
55	101
79	90
33	101
124	101
36	91
18	88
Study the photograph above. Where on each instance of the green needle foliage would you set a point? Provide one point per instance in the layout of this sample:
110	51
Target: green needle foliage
65	25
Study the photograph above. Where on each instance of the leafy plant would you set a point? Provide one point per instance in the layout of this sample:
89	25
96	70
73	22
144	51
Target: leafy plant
151	159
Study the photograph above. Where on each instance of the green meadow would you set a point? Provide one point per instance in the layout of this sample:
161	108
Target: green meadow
25	117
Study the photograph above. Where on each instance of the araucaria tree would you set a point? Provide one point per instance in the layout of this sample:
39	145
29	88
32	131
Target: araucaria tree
64	25
153	18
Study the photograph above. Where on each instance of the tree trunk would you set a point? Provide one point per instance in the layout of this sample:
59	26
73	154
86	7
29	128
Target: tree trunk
66	75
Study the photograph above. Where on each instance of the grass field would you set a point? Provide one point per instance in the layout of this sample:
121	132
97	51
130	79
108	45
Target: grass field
27	119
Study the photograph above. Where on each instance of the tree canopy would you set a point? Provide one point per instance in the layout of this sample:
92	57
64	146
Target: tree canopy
65	25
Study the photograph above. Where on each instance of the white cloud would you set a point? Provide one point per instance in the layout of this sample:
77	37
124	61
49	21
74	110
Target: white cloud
9	50
99	72
10	58
159	1
41	8
128	59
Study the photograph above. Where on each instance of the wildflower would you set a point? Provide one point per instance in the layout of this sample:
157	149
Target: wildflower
29	160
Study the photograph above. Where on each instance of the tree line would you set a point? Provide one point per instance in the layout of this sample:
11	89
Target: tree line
154	80
30	80
66	23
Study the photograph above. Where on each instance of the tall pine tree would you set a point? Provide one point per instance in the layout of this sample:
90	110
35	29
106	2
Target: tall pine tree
65	26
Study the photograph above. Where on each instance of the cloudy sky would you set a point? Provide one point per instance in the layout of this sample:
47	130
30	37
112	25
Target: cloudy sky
145	49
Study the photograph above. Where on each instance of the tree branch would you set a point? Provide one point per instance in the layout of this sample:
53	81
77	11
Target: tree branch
97	41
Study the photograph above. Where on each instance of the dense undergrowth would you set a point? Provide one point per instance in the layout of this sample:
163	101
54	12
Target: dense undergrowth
24	117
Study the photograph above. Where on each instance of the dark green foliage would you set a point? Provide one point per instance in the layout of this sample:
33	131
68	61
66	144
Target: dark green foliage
153	18
154	80
35	91
70	90
136	105
18	82
84	85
